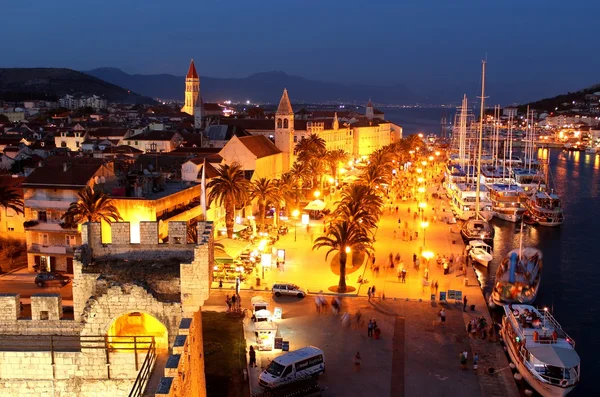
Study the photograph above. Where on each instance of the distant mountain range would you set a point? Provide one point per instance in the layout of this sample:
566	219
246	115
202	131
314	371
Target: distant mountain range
261	87
21	84
267	87
563	101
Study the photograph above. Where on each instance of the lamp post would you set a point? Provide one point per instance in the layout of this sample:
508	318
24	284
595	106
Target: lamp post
424	225
295	214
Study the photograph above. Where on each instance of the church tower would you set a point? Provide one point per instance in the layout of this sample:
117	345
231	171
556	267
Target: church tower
369	113
336	122
284	130
198	113
192	90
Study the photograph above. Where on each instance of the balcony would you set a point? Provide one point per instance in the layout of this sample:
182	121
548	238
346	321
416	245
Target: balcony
52	226
50	249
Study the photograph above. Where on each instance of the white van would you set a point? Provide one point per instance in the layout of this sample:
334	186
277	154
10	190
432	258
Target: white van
307	361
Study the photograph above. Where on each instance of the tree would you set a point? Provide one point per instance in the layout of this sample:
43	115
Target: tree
334	158
310	147
230	189
9	198
289	190
256	113
91	206
265	191
342	236
361	205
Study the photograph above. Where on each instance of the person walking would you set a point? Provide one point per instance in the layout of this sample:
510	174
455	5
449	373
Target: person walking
370	329
426	272
465	303
443	317
369	293
475	361
373	291
252	355
228	301
463	362
394	236
414	259
399	275
403	274
357	362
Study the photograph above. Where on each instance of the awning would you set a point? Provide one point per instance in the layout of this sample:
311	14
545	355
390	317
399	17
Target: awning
315	205
562	357
232	248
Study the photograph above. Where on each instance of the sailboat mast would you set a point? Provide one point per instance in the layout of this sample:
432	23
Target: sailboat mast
481	115
510	147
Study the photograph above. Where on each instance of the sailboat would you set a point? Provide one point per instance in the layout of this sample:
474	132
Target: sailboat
518	277
479	228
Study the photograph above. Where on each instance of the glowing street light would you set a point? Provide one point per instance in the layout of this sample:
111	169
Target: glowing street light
421	189
437	153
430	158
422	205
423	163
419	170
317	194
420	180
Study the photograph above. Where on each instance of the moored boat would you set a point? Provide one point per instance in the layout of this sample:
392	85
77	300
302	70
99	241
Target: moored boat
541	350
518	277
508	201
477	229
545	209
480	252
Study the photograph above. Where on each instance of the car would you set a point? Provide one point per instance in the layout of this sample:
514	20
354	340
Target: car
280	289
51	278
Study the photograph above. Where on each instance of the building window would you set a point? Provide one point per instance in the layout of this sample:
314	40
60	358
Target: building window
285	123
295	139
70	240
63	144
278	123
136	143
44	240
11	229
77	144
42	217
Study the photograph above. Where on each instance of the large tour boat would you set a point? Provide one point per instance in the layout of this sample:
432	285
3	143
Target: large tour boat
544	208
508	201
543	353
518	277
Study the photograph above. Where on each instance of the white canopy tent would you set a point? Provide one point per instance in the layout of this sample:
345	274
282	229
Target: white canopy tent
315	205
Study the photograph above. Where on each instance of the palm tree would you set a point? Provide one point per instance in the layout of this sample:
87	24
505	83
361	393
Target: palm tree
373	176
91	206
289	190
300	173
310	147
231	189
343	236
266	191
9	198
334	157
359	204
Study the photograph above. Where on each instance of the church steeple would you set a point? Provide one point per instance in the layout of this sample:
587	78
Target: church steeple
192	89
285	107
336	122
370	113
284	130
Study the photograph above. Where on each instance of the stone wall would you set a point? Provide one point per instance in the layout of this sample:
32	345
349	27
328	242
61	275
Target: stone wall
46	307
184	372
66	388
148	233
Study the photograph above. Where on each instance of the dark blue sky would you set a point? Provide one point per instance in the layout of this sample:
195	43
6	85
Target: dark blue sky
418	43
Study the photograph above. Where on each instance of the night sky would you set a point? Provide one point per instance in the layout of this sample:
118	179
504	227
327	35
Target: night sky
417	43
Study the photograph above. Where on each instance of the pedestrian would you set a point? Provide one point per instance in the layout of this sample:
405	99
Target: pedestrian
463	362
394	238
398	257
370	329
443	317
446	270
465	303
403	274
397	211
357	362
233	302
474	329
469	327
318	304
414	259
252	354
475	361
369	293
399	275
373	259
373	290
228	301
426	273
423	284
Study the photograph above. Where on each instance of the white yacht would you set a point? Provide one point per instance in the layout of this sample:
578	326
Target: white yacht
480	252
463	201
544	354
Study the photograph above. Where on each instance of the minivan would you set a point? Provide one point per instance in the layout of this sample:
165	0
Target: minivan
286	368
280	288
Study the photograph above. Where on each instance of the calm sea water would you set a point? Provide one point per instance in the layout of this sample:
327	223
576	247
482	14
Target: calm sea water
570	285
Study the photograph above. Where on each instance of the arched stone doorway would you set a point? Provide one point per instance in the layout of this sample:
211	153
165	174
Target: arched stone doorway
137	324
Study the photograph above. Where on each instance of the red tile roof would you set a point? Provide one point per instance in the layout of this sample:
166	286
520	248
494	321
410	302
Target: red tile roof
54	176
191	74
259	145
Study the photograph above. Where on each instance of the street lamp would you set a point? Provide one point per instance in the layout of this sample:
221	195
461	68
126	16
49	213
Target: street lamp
420	180
317	194
295	214
349	256
424	225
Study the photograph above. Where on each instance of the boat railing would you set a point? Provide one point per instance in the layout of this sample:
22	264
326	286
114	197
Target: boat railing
548	318
545	378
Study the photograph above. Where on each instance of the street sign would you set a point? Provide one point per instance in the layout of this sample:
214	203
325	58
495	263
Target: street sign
442	296
278	313
278	343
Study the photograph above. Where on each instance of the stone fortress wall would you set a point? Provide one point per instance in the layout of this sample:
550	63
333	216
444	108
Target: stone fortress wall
96	305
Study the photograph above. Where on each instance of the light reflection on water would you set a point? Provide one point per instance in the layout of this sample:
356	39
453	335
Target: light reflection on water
571	273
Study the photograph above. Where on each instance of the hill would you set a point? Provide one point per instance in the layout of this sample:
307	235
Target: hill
18	84
261	87
561	102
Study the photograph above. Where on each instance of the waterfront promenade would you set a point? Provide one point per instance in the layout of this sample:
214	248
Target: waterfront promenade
418	347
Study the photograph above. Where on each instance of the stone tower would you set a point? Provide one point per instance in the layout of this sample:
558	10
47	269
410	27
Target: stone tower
369	113
284	130
198	113
336	122
192	90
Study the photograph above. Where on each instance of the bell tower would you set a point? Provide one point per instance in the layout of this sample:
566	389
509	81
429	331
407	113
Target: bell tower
369	113
284	130
192	90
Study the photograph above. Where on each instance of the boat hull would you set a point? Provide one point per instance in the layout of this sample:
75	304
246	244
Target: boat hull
545	389
514	217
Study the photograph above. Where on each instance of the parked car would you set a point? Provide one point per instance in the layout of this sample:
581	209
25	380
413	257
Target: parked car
50	278
288	289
